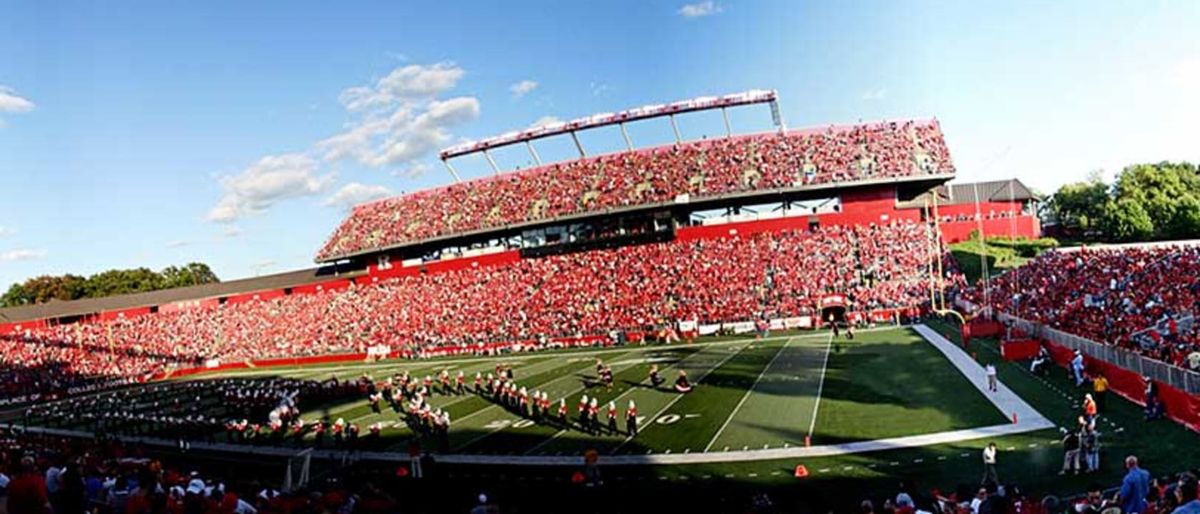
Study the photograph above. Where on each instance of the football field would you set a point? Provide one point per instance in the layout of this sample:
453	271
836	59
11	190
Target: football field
793	392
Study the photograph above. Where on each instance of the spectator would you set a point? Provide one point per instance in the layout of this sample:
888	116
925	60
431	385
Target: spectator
1187	495
1070	442
1090	448
27	490
1100	391
989	465
1134	487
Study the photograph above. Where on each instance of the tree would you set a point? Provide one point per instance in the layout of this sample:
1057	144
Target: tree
1126	220
1185	224
192	274
123	281
112	282
15	296
1079	206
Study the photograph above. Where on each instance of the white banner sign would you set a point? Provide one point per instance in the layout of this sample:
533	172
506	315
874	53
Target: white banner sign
740	327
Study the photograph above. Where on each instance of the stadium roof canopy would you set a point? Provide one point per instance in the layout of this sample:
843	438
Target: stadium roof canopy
1012	190
571	128
60	309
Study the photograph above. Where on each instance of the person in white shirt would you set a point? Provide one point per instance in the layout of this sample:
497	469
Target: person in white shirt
989	465
990	369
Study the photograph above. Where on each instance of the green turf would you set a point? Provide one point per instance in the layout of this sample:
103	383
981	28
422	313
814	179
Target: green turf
894	384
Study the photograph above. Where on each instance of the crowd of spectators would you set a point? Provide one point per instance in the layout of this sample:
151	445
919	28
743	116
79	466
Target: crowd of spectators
700	169
51	475
639	287
990	215
42	474
1129	297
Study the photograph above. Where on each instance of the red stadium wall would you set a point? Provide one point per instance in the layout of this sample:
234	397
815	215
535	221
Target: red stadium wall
859	207
1021	226
462	263
1180	406
13	328
124	313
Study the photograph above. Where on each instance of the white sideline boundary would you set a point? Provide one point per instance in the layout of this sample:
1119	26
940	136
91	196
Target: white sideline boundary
1005	400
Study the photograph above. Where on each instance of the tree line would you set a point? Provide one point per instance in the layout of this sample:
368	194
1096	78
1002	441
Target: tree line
1146	202
107	283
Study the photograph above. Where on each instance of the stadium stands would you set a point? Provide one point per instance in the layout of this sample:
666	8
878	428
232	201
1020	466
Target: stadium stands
1109	295
632	288
700	169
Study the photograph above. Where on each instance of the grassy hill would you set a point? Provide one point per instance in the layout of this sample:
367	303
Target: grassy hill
1001	254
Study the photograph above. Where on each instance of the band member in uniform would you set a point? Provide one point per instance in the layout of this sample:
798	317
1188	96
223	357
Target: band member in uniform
460	384
682	384
479	382
562	411
655	378
612	417
583	406
606	376
593	415
631	421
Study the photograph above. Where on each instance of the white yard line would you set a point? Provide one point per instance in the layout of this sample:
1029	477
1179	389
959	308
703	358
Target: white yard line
812	424
747	395
539	386
679	396
618	397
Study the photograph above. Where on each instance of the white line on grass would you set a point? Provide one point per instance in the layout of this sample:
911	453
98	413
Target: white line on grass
568	394
681	395
812	425
628	390
747	395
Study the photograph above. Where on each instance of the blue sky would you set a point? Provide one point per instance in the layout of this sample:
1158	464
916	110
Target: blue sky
233	133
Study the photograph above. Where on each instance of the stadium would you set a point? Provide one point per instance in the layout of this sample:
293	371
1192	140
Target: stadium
801	319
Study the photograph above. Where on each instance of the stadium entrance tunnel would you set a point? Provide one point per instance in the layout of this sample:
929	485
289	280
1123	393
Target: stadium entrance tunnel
834	314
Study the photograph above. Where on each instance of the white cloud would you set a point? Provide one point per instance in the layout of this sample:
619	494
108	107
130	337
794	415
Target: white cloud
355	193
598	88
415	170
875	94
406	83
177	244
271	179
231	231
399	119
22	254
394	122
700	9
544	120
6	231
523	88
11	102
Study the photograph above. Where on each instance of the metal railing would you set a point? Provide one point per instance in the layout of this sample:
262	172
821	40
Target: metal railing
1174	376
